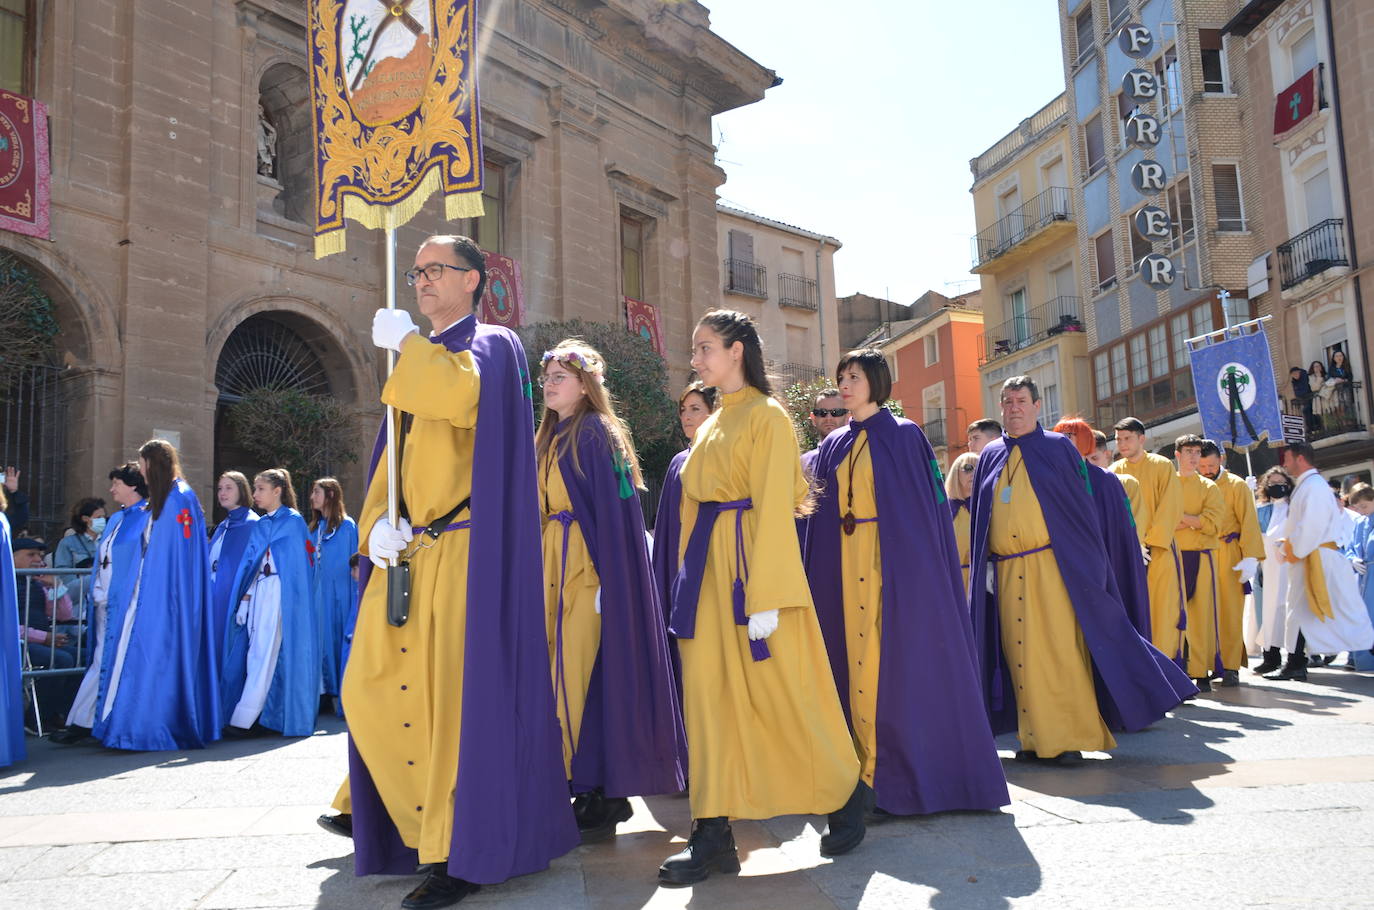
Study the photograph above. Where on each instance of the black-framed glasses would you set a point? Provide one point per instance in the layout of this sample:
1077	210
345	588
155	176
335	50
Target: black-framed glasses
829	412
434	271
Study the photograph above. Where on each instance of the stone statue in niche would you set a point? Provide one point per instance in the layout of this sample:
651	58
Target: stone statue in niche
267	144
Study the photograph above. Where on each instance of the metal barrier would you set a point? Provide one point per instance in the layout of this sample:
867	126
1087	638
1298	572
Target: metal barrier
39	614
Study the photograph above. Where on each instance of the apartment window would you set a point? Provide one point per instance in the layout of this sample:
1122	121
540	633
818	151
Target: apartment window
1083	30
1202	319
1166	74
1049	404
489	230
1104	260
1117	10
632	257
1180	198
1140	246
1213	61
16	45
1102	376
1020	325
1178	337
1316	197
1226	186
1119	380
932	346
1140	361
1237	310
1161	376
1159	351
1125	110
1302	53
1094	149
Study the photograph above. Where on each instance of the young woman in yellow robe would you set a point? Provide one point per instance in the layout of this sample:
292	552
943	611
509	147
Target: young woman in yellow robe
958	490
765	731
1196	535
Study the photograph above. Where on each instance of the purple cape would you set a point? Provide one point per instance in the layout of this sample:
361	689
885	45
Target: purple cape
1135	683
511	814
631	724
1123	546
667	543
935	749
808	462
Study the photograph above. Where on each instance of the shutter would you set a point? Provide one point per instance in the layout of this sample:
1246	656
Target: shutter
1226	186
742	246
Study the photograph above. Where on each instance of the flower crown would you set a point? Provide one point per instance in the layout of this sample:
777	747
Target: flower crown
575	358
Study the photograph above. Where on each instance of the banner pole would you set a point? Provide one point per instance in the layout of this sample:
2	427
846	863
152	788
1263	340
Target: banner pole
392	468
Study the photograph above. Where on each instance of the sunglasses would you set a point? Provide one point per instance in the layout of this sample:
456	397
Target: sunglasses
969	468
831	412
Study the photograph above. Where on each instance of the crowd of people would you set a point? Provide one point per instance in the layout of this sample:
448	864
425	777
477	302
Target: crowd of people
841	632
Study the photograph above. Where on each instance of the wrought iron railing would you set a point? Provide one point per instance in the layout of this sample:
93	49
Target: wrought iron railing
1026	133
788	374
33	438
1061	315
745	277
798	291
935	432
1312	252
1330	411
1050	206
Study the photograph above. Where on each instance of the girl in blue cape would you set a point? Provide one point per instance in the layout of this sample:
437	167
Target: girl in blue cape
227	544
884	570
159	683
613	682
12	747
271	673
333	541
1360	550
118	555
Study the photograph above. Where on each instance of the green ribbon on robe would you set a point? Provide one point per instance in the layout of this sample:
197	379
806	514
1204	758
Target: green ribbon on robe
939	477
622	470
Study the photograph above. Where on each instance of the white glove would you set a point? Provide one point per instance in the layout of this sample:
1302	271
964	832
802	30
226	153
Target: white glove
390	328
1247	568
1252	483
992	579
241	615
385	543
598	601
1145	553
1360	566
762	625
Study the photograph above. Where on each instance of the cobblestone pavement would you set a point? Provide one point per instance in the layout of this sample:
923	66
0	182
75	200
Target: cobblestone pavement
1261	796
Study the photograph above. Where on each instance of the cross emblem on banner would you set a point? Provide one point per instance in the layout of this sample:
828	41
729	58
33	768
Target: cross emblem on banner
1295	103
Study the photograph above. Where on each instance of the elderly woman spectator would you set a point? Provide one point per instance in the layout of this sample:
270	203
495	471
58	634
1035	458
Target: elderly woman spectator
76	549
45	627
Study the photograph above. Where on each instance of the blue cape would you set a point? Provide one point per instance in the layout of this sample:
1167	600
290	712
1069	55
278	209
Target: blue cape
293	700
1135	683
935	749
632	731
1361	546
12	747
335	595
168	694
235	530
1123	546
126	556
511	814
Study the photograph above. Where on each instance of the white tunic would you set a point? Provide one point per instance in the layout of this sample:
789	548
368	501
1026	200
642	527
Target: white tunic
82	712
1275	586
1315	518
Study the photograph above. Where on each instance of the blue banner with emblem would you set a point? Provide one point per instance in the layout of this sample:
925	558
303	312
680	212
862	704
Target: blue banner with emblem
1233	379
393	86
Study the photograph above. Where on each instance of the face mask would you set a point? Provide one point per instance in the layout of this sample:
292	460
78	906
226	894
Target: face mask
98	524
1278	490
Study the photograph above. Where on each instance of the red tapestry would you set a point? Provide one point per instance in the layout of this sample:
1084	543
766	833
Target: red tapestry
1297	102
24	167
503	300
642	319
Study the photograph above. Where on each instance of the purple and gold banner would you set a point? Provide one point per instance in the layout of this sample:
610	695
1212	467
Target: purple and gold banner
394	89
24	166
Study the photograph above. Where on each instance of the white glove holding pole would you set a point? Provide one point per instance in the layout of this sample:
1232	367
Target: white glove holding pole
1247	568
386	543
762	625
1252	482
1145	553
390	328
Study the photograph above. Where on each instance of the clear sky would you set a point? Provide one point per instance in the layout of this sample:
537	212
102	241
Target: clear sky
882	105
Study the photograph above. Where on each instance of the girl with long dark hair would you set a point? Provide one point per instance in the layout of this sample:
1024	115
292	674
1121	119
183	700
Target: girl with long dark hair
227	544
333	540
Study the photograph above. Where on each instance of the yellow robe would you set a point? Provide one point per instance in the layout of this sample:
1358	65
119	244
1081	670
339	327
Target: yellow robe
1041	638
1202	498
581	622
767	737
1163	501
1140	512
861	565
962	536
403	689
1238	517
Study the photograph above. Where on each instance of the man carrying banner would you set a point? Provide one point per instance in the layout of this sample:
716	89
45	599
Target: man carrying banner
1196	539
1163	502
454	755
1325	611
1239	551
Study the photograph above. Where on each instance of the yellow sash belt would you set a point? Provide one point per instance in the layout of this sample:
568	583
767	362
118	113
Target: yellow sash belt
1318	598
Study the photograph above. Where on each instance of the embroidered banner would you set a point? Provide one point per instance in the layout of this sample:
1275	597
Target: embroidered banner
642	319
1233	379
1297	102
394	90
503	300
25	171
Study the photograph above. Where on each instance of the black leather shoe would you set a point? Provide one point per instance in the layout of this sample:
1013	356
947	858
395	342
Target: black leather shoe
1068	759
1291	670
600	816
341	824
846	829
1272	661
1229	678
711	846
233	732
1203	685
1027	755
439	889
71	735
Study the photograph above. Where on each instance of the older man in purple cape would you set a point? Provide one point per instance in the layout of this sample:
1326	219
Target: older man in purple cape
934	750
1035	522
468	429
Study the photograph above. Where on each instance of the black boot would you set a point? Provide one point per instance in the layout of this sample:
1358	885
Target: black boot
71	735
597	816
712	844
846	828
1296	668
1273	659
439	889
1204	684
341	824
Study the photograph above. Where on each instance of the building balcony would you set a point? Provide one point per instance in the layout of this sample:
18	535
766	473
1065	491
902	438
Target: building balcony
935	432
745	277
799	292
1313	254
1329	416
1062	315
789	374
1043	220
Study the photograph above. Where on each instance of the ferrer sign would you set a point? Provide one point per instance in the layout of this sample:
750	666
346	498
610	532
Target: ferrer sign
1143	131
